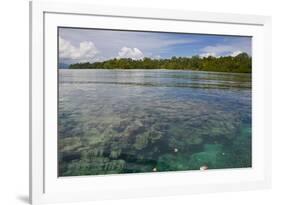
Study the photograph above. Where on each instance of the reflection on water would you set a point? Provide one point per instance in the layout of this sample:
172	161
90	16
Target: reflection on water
131	121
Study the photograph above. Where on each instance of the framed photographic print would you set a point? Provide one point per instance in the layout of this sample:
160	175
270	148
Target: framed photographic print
129	102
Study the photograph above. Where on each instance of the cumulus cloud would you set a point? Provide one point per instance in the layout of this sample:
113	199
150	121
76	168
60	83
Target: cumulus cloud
236	53
78	45
233	48
213	54
86	51
156	57
133	53
205	55
218	49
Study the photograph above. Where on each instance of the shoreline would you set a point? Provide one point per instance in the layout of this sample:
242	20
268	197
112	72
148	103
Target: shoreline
163	69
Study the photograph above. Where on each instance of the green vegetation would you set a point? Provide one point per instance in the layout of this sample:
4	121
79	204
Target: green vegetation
241	63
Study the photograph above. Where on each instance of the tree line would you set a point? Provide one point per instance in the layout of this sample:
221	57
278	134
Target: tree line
241	63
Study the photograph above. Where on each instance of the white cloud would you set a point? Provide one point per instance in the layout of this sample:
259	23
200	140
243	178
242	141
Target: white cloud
208	54
133	53
170	42
232	48
236	53
86	51
109	42
218	49
156	57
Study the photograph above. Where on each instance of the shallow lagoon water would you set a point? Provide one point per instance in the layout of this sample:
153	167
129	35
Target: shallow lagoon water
132	121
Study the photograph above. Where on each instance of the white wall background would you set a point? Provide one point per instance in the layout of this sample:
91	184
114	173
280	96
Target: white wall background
14	100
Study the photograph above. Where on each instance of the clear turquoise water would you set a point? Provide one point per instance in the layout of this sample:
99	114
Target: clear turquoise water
132	121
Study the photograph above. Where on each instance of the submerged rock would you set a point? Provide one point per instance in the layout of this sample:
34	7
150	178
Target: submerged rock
145	138
210	157
204	167
141	141
133	129
193	140
115	154
69	144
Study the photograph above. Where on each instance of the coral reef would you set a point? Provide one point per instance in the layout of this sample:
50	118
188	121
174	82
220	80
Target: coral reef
112	129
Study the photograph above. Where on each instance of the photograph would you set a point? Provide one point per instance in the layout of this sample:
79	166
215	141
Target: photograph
134	101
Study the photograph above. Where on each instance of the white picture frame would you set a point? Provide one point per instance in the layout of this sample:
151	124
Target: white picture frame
46	187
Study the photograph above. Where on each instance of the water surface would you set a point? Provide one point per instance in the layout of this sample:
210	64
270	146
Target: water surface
132	121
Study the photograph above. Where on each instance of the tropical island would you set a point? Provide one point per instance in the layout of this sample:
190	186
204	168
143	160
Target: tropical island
242	63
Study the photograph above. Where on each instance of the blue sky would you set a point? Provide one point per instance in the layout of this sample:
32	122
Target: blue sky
92	45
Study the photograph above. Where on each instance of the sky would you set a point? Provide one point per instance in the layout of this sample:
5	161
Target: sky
78	45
